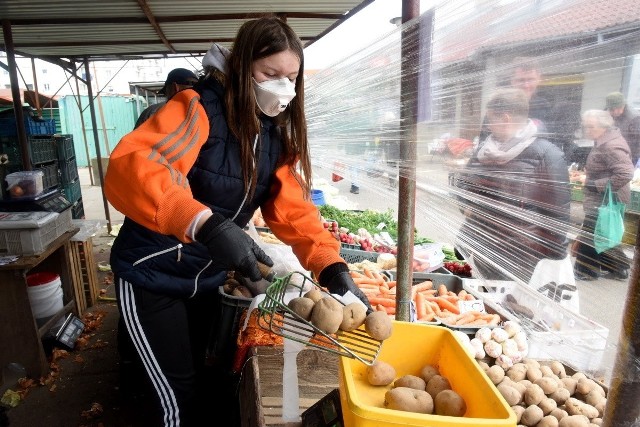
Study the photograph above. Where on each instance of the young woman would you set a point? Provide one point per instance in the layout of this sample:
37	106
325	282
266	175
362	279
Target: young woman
189	179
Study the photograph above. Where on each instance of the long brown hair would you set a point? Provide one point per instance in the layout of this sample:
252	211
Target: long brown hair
258	39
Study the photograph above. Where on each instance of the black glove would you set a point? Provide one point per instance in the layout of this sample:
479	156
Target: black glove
590	185
337	280
231	248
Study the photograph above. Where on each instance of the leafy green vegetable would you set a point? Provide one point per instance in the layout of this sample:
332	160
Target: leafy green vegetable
368	219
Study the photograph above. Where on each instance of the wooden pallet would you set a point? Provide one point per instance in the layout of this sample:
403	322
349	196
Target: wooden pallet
84	274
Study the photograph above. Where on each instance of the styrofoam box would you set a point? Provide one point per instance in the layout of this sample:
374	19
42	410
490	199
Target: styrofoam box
29	233
571	338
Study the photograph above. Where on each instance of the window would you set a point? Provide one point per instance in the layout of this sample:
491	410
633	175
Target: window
44	71
46	87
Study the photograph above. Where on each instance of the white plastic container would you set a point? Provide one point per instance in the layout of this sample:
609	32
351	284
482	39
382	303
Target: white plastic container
45	296
25	185
29	233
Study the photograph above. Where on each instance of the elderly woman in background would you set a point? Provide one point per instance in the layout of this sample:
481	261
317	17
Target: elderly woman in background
608	162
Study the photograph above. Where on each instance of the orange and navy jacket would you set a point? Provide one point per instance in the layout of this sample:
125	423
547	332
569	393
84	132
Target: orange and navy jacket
182	161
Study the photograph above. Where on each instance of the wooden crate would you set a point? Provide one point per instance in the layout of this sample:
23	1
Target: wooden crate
84	271
261	383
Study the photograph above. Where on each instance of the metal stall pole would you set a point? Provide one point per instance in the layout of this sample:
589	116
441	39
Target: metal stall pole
407	167
15	94
94	123
623	401
84	129
35	87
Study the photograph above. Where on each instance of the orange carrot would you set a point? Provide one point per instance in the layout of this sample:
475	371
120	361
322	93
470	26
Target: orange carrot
368	273
447	305
420	305
364	281
424	286
442	290
379	300
391	284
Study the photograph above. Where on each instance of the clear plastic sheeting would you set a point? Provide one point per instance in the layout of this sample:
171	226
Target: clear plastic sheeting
507	169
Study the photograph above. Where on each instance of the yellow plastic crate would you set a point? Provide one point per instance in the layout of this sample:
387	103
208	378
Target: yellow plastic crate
410	348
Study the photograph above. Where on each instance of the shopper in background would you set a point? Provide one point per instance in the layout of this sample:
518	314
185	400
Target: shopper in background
188	181
515	195
178	79
526	76
608	162
627	121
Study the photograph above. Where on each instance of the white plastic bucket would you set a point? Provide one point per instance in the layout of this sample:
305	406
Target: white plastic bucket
45	296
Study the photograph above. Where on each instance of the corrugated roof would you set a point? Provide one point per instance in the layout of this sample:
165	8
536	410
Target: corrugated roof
109	29
527	23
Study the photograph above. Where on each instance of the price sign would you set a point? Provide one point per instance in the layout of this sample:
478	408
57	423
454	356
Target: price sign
473	305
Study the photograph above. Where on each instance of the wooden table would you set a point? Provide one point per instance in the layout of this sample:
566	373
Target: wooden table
20	337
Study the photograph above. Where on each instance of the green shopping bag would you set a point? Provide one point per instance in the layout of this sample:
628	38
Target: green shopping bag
610	223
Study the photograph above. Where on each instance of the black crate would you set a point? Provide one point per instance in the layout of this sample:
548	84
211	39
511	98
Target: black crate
64	146
354	256
41	149
222	344
68	171
72	191
51	179
77	210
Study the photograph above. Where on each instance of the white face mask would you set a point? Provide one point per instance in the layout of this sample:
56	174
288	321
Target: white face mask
273	96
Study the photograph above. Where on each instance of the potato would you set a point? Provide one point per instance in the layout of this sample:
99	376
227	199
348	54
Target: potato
378	325
449	403
559	413
578	407
302	306
519	410
570	384
546	371
547	405
574	421
548	421
410	381
596	400
483	365
436	384
327	315
597	421
510	394
531	363
518	386
547	384
533	374
585	385
315	294
495	374
560	395
427	372
558	369
517	372
380	373
533	395
531	415
408	399
353	316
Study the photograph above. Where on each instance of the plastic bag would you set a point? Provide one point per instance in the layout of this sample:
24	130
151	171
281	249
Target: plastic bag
554	278
610	223
284	260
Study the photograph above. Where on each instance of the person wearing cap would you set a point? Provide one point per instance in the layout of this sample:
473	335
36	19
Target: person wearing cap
178	79
627	121
188	181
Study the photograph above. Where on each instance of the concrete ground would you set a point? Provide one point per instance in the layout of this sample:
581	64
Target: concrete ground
85	390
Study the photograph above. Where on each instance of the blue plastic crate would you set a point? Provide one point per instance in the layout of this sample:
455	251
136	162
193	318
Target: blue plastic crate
32	126
72	191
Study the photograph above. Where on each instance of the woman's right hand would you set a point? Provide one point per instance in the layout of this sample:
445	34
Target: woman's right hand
231	248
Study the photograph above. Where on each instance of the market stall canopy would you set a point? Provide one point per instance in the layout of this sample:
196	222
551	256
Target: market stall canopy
127	29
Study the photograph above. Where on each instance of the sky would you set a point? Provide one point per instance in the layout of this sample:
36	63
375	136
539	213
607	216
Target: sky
358	31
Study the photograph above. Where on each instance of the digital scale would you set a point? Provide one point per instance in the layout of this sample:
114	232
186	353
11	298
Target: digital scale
51	201
327	412
70	331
